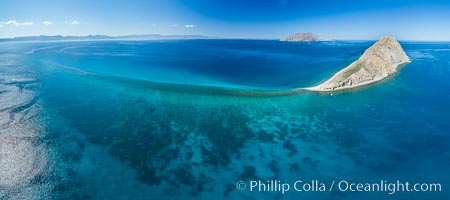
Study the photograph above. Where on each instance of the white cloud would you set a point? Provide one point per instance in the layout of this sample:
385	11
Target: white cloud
189	26
47	23
72	22
16	23
11	22
26	23
174	25
1	25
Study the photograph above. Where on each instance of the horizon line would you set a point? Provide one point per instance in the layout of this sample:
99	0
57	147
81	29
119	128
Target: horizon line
117	37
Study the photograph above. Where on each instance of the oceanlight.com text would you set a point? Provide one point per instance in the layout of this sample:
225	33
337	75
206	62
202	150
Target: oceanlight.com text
390	187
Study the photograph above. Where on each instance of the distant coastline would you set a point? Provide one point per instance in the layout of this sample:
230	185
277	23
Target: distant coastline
44	38
104	37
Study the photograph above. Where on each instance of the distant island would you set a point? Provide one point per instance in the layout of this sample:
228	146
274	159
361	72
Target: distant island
304	37
378	62
103	37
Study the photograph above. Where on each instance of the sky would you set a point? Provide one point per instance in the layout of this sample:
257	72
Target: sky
427	20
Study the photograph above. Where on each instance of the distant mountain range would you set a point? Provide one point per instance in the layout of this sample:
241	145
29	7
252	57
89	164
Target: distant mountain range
305	37
103	37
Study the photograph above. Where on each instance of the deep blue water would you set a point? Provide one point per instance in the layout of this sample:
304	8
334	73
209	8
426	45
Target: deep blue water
165	120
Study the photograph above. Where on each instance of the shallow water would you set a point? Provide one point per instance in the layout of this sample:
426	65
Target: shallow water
88	120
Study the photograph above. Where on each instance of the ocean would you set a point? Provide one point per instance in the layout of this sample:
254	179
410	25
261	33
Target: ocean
193	119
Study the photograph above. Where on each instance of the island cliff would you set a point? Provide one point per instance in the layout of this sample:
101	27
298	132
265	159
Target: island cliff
378	62
304	37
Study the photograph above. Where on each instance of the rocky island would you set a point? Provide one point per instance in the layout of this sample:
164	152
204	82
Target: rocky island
304	37
378	62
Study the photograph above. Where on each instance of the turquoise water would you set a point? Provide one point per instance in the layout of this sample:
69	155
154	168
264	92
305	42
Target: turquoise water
168	120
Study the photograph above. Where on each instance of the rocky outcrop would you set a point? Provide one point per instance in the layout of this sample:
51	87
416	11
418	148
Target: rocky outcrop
378	62
304	37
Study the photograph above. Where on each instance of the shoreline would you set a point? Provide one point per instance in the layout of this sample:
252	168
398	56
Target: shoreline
378	62
366	83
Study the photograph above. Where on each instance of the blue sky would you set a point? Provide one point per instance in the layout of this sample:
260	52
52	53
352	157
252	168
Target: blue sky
344	19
